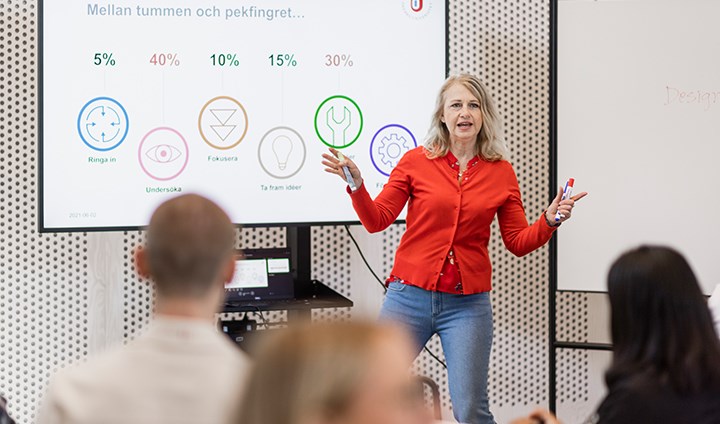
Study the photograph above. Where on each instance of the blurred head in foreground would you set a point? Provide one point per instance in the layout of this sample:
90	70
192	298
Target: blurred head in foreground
661	326
189	253
334	373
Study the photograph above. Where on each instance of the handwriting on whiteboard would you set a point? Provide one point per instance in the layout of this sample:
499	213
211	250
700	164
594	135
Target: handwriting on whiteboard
705	99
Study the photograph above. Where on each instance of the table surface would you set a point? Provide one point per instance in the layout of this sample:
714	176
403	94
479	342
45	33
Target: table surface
315	295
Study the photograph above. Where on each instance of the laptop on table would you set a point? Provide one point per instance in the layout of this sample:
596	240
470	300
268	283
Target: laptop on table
261	275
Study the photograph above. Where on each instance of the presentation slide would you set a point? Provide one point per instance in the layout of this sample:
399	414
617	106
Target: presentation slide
638	113
144	100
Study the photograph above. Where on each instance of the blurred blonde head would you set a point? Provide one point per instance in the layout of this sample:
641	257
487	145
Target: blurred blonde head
490	144
333	373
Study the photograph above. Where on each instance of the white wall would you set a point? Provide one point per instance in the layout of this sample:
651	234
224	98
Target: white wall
637	128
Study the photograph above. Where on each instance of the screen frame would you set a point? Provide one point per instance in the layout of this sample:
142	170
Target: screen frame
40	174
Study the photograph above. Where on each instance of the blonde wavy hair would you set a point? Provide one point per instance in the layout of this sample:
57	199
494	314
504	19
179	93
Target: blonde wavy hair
490	143
310	374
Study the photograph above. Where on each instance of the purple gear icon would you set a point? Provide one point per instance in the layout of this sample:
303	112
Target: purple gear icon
391	149
388	146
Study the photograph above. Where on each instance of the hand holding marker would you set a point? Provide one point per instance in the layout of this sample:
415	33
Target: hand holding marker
346	171
567	192
562	206
336	163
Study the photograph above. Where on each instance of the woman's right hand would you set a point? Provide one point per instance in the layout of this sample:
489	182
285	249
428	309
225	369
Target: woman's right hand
334	165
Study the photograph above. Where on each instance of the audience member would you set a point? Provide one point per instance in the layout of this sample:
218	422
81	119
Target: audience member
341	373
666	355
181	370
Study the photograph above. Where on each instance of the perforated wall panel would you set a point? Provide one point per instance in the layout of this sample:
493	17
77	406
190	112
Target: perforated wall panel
43	279
47	282
138	293
514	64
331	265
572	325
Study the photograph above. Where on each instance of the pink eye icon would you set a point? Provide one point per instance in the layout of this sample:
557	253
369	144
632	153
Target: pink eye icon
163	153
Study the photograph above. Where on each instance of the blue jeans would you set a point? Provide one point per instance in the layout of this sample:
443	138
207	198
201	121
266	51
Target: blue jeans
464	324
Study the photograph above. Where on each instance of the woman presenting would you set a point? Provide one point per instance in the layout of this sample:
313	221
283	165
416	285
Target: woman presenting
454	186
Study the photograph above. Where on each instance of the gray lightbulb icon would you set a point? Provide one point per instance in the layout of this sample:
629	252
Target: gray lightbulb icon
282	146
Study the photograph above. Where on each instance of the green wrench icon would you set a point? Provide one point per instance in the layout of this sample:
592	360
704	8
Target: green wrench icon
338	127
338	121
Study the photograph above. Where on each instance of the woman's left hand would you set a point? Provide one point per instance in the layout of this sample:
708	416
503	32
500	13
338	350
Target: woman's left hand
564	206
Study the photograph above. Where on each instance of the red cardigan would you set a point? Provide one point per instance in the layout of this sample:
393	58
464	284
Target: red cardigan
443	214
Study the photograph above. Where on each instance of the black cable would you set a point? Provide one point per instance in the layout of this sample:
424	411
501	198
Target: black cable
357	246
440	361
260	314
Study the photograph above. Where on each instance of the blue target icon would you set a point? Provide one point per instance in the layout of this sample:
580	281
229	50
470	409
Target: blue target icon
102	124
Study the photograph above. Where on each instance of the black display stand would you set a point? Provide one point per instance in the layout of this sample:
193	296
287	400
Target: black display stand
309	294
554	343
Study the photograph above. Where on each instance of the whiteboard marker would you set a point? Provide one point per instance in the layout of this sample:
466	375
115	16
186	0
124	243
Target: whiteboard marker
346	171
567	192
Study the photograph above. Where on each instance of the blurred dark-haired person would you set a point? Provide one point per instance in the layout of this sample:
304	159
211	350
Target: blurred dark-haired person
666	355
181	370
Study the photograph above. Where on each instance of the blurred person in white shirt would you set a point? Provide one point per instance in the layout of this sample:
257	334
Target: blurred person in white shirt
180	370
